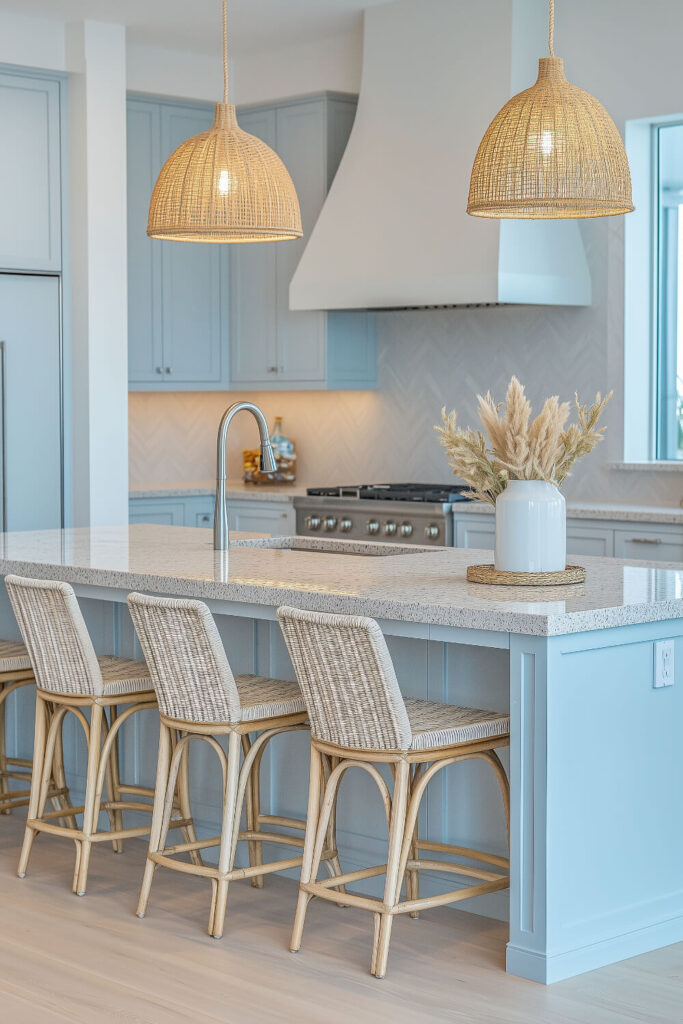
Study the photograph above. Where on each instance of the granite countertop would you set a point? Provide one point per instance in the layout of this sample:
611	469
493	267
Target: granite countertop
237	490
401	583
598	510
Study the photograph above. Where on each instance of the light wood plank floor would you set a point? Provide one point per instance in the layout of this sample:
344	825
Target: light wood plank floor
90	960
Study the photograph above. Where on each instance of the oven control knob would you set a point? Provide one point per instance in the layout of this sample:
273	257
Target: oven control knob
390	529
329	522
345	525
431	531
406	529
313	522
372	526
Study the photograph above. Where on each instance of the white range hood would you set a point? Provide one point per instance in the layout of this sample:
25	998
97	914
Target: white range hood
393	232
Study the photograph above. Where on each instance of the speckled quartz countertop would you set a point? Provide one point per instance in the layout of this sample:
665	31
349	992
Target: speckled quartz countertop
599	510
400	583
237	490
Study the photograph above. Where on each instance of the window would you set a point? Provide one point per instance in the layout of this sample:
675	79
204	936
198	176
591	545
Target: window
668	187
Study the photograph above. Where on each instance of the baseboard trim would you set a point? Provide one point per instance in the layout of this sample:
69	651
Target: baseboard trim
547	969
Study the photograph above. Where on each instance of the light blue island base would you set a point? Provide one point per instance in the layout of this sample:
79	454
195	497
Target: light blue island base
596	757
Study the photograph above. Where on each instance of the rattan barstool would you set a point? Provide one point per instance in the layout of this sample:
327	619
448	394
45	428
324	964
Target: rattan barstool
70	677
358	716
200	698
16	672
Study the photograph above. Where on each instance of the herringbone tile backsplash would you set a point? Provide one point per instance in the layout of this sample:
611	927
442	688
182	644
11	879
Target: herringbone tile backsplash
427	359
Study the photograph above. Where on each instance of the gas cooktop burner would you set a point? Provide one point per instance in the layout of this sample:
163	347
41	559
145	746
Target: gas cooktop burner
394	492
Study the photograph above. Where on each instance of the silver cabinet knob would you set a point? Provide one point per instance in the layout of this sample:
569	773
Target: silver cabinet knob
313	522
390	529
432	531
272	369
329	522
159	369
372	526
345	525
406	529
168	369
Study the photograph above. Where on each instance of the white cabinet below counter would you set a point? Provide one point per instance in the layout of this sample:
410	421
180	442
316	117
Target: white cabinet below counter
660	542
251	516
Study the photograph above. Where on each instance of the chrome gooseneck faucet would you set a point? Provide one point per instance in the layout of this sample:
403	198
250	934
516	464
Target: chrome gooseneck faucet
221	532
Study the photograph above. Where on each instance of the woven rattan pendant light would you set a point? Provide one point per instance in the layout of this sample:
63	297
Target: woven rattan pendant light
553	151
224	185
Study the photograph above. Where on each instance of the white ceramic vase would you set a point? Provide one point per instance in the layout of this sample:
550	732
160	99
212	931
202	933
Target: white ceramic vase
531	528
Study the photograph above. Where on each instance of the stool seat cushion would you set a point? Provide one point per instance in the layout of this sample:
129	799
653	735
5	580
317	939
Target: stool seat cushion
124	676
262	697
13	656
440	725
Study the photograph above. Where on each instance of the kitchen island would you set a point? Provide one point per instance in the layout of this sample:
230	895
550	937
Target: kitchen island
595	761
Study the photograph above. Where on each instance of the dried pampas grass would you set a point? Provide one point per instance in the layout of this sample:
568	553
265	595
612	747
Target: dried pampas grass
515	447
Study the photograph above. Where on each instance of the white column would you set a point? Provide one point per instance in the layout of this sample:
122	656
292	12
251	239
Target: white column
96	57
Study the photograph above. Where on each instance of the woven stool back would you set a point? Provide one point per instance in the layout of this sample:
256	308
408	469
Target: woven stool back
56	637
347	678
186	659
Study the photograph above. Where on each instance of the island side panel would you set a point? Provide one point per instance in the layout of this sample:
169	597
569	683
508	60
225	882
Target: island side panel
597	834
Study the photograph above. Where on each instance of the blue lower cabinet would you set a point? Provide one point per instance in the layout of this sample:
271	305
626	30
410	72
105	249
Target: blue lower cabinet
163	511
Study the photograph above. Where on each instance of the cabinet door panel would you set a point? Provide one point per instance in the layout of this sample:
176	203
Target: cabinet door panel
253	288
145	357
194	343
262	517
30	218
162	511
31	392
589	540
301	335
649	544
477	531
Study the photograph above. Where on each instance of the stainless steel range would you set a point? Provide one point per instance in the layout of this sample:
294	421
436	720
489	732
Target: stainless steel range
408	513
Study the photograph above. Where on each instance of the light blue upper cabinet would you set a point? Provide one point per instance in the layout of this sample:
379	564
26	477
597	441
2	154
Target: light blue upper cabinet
30	173
177	291
273	347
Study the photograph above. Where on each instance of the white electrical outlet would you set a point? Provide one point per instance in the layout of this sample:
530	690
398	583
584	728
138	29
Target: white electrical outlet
664	663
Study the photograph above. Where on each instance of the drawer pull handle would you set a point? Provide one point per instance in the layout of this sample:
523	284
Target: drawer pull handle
645	540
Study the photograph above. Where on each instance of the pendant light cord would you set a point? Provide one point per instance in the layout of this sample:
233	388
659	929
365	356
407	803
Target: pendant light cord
225	50
551	27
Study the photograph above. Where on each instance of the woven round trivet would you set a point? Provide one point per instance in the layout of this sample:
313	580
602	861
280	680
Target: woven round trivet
489	574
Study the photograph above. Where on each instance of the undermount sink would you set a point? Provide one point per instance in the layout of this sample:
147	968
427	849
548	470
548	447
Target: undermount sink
366	549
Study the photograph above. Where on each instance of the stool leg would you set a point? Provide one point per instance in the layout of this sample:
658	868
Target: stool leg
310	839
332	864
225	855
114	782
184	805
253	805
155	845
91	810
62	801
4	781
392	885
413	876
36	784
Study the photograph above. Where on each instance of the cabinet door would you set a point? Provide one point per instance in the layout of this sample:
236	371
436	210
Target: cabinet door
253	287
30	395
274	518
30	221
162	511
475	531
145	358
649	544
301	335
589	540
193	278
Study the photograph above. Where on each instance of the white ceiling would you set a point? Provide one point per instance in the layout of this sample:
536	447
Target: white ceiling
194	25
